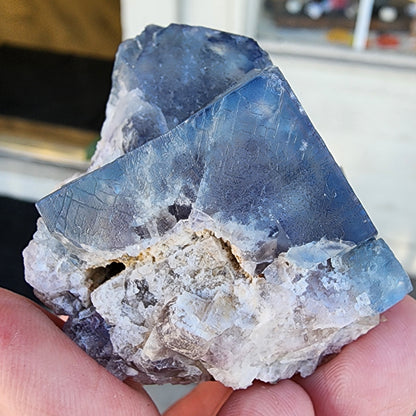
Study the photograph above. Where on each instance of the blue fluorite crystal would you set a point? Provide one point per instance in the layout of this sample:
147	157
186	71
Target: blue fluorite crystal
223	175
251	159
164	75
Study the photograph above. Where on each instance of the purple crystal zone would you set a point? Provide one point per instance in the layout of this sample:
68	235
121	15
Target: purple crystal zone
91	333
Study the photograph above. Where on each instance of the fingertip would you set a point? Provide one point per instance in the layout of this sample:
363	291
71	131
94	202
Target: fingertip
402	314
43	372
281	399
374	374
17	302
206	399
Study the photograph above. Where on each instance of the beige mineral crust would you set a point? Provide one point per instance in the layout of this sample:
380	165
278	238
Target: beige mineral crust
188	297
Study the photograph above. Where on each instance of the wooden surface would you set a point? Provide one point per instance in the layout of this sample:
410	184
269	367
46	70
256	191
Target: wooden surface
84	27
44	141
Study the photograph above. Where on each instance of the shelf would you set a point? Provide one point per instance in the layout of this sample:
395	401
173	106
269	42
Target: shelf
43	142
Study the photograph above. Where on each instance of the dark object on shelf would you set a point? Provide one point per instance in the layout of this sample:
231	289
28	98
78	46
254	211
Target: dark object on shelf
17	225
53	87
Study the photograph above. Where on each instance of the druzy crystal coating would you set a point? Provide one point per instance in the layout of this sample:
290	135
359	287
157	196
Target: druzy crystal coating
224	242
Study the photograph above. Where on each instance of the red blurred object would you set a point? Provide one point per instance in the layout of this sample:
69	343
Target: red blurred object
387	40
339	4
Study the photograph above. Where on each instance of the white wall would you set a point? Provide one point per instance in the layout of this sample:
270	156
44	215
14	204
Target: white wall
236	16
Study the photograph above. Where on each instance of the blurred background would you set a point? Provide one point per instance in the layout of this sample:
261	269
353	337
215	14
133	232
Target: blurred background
352	63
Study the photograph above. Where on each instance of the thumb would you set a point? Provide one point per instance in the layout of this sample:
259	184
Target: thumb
286	398
206	399
42	372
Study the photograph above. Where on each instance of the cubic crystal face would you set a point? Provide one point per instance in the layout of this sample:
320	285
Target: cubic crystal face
224	242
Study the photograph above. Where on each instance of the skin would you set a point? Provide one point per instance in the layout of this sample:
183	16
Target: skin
42	372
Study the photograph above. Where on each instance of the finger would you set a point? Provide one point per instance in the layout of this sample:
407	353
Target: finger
206	399
373	375
59	321
285	398
42	372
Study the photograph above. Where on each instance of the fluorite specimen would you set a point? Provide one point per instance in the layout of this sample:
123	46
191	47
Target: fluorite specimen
219	239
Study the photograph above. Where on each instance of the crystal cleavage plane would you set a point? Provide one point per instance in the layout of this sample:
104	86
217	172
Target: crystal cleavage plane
214	236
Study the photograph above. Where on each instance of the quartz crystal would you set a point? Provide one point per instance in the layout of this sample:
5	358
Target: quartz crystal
214	236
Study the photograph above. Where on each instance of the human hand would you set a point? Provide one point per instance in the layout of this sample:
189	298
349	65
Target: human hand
42	372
